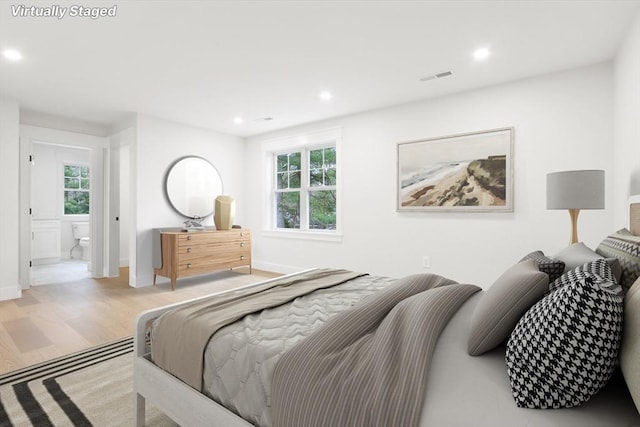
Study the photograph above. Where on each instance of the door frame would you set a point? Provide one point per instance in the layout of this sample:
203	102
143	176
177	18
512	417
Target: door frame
24	272
98	147
114	209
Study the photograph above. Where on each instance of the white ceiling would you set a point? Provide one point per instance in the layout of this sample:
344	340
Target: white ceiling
204	62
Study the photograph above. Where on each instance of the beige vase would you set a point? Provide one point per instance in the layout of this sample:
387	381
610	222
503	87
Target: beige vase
224	209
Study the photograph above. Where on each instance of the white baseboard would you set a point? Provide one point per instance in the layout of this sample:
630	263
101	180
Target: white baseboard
141	281
44	261
9	292
276	268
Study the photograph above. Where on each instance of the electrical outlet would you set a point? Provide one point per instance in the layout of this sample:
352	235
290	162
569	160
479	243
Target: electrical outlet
426	261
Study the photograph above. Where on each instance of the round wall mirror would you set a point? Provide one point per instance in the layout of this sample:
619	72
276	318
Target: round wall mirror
192	185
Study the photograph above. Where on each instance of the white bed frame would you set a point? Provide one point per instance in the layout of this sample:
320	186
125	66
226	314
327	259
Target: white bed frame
177	400
182	403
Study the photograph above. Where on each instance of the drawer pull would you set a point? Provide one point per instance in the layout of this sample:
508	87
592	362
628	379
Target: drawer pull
188	250
189	265
188	237
241	234
242	245
241	257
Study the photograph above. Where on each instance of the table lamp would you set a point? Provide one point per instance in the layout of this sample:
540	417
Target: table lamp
575	190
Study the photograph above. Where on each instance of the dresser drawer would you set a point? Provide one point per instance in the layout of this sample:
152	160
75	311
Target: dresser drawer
213	250
206	264
217	237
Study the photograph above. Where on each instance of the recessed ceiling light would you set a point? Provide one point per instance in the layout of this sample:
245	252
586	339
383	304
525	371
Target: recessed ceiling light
237	120
325	95
12	55
481	54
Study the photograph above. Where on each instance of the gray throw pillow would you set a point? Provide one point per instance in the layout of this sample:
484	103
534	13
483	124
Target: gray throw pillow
503	304
579	254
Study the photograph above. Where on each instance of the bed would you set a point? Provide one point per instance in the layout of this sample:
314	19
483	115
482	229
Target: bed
476	373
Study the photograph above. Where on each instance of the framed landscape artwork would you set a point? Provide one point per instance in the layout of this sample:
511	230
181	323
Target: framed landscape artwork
470	172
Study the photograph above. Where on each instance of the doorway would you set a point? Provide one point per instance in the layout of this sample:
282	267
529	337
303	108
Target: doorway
50	158
61	196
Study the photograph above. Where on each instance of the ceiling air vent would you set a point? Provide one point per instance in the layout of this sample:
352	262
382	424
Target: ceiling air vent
436	76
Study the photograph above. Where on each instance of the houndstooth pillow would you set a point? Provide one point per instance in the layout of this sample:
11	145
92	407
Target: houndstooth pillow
599	267
565	348
553	268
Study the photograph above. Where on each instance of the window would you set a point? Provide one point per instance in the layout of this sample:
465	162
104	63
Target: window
322	189
76	189
305	193
302	198
288	189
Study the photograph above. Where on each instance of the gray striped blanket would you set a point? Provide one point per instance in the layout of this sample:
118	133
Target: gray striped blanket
368	366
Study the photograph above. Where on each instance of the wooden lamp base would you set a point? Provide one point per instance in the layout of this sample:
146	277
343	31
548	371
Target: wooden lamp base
573	214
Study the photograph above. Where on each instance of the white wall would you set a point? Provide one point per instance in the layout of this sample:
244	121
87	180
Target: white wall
9	200
626	139
47	188
562	122
159	143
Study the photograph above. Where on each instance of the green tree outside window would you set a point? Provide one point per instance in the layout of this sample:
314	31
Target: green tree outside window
76	189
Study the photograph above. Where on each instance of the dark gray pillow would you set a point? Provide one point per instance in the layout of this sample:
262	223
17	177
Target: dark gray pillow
565	348
554	268
503	304
579	254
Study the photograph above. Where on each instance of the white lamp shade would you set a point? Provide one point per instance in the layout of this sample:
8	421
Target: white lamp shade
582	189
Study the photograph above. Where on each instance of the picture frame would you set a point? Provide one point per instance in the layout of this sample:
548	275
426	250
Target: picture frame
469	172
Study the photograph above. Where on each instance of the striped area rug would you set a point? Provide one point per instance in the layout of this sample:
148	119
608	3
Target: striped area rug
89	388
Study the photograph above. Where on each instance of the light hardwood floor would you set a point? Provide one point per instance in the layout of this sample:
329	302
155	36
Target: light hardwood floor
54	320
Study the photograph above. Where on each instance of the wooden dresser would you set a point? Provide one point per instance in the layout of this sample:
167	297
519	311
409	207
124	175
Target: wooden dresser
191	253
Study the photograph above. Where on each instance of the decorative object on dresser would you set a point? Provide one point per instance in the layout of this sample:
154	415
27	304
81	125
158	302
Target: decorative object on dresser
224	212
181	254
575	190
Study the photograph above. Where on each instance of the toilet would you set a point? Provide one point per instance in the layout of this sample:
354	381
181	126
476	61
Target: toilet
81	233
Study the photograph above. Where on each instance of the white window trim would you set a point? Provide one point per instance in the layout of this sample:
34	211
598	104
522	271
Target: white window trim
310	140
